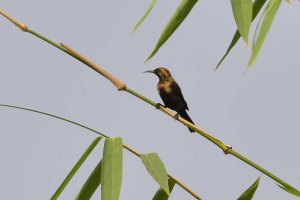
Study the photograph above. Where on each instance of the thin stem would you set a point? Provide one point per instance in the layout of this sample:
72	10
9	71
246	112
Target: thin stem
55	116
184	187
263	170
99	133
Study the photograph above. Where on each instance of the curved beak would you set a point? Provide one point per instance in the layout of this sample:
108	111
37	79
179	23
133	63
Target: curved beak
149	71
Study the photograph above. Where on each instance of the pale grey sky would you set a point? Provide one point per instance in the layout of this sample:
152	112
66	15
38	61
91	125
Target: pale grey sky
257	112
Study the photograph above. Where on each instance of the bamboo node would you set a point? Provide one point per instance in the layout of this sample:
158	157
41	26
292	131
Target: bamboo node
121	87
227	149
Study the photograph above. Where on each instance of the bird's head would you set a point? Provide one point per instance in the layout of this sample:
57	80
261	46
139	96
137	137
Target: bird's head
162	73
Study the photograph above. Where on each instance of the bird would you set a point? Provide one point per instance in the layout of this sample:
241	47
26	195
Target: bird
171	94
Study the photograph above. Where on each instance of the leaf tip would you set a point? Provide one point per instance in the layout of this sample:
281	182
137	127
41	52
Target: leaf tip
219	64
251	61
246	42
246	70
150	56
134	28
250	64
132	33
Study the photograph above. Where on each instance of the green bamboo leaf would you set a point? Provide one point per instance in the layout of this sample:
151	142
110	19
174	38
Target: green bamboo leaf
249	193
75	168
263	28
177	18
161	194
145	15
91	184
290	190
111	173
157	170
257	5
242	11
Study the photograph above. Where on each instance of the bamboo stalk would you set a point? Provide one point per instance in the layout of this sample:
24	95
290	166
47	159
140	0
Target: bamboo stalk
119	84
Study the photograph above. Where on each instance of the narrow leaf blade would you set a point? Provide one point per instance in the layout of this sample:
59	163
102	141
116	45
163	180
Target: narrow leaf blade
145	15
249	193
290	190
157	170
161	194
91	184
257	5
242	11
75	168
177	18
263	28
111	173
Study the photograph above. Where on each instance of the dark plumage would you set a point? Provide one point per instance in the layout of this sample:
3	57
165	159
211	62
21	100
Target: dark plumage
171	94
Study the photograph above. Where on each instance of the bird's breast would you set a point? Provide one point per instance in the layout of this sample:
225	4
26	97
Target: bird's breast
160	87
164	87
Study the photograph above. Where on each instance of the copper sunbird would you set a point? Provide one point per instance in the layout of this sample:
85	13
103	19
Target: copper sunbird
171	94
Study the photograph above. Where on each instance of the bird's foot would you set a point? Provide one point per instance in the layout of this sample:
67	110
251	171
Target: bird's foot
158	105
176	116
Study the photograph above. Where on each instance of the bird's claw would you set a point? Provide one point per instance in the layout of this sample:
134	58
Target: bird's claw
158	105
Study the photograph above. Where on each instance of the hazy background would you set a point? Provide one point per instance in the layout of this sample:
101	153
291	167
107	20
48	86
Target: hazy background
257	112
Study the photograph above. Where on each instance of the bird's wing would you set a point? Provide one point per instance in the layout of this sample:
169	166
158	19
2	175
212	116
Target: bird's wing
177	91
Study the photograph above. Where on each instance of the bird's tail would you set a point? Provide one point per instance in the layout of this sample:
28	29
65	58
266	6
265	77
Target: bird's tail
185	116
